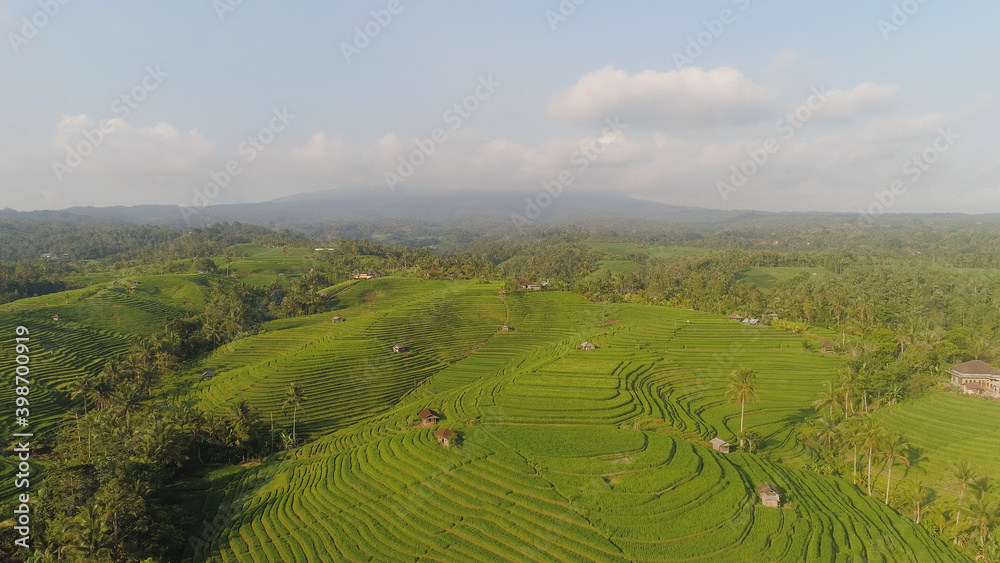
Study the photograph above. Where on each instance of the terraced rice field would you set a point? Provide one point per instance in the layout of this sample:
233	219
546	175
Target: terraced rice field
944	428
566	455
96	324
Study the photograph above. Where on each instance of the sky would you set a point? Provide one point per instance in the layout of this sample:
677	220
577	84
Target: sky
861	106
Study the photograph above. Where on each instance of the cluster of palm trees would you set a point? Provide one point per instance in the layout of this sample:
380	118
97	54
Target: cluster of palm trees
841	430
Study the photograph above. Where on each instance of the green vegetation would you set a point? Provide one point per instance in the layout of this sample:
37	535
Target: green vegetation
205	406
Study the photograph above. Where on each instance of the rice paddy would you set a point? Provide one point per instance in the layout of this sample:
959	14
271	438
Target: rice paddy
566	455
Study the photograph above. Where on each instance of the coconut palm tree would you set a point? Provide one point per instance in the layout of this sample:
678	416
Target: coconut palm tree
294	399
86	534
743	389
873	437
828	399
963	475
983	508
851	434
826	431
848	384
82	386
895	447
916	494
128	398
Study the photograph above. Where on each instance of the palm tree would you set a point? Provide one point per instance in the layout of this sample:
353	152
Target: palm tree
743	388
851	432
963	474
983	508
86	533
916	494
828	399
294	399
895	447
241	424
82	386
128	398
848	384
826	431
873	433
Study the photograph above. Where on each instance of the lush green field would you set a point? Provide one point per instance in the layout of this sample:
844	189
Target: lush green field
567	455
945	428
258	265
96	323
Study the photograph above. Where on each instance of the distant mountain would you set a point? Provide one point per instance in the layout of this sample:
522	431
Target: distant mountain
474	211
486	209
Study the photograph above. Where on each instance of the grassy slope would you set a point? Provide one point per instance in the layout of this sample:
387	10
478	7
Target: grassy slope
97	323
565	457
945	428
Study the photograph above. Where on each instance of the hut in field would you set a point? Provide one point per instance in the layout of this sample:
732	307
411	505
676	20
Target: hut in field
769	497
447	438
429	417
399	348
56	318
721	445
735	317
587	346
828	347
208	375
505	328
337	320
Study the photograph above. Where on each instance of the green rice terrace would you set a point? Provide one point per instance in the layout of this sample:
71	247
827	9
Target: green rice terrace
557	453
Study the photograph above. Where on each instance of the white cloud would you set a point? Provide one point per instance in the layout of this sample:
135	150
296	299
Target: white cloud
867	97
690	97
834	165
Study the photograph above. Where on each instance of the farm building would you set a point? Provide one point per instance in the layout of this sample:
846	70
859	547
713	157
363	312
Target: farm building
721	445
447	438
773	316
752	322
735	317
429	417
56	318
977	378
828	347
768	496
337	320
588	346
505	328
369	275
529	286
399	348
208	375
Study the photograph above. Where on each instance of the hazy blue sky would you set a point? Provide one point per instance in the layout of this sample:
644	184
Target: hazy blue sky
925	88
